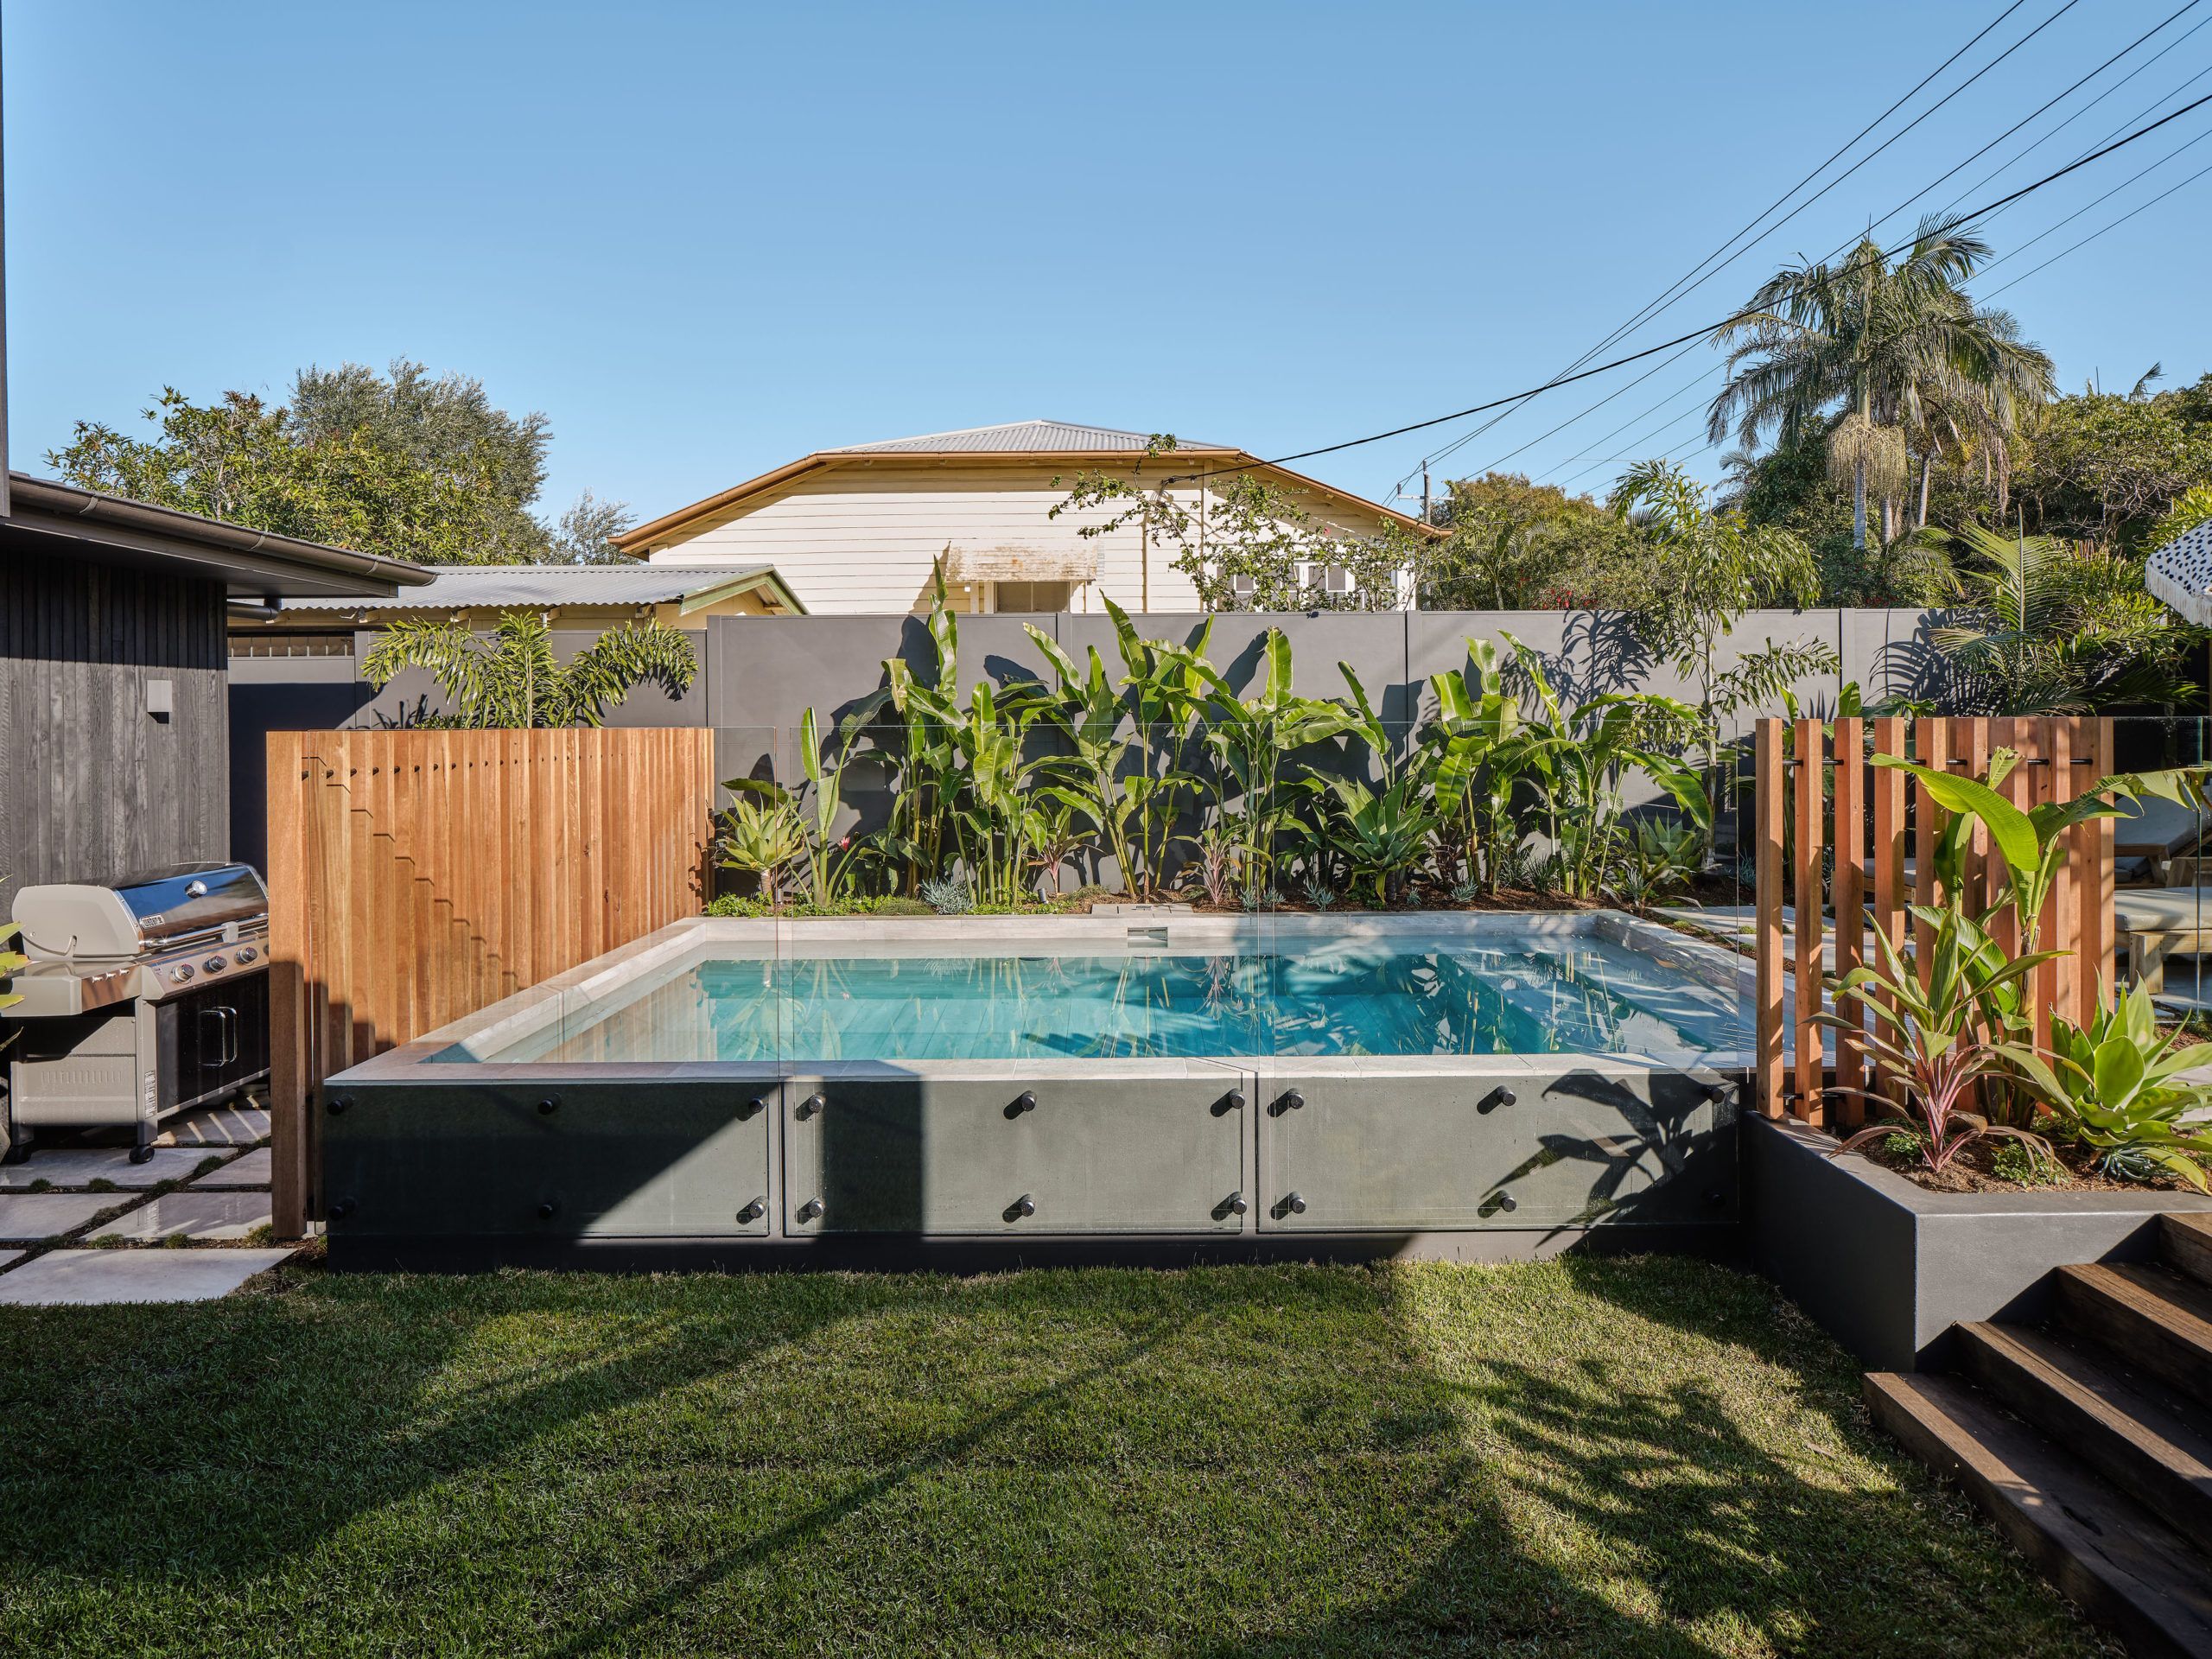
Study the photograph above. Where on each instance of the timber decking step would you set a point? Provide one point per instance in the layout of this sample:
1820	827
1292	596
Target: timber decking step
2151	1443
2117	1560
2186	1241
2150	1317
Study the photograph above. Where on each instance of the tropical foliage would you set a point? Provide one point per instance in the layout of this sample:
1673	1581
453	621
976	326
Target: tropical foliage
1165	776
2047	626
408	464
1893	358
1956	1016
513	678
1248	545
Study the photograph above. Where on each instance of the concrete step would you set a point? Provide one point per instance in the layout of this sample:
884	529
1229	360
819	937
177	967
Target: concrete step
2152	1443
2151	1317
2119	1562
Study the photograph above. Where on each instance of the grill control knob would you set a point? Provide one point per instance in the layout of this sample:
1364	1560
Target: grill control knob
181	972
214	964
247	953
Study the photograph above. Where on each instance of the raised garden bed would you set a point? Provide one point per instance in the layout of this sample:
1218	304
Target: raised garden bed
1888	1266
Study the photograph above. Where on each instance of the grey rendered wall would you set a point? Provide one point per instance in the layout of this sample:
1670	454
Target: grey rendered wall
92	786
764	672
758	675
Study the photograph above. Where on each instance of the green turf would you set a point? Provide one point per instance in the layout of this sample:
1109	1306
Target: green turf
1584	1458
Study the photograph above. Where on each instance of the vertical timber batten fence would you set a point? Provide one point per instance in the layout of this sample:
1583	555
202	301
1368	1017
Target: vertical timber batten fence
416	876
1818	791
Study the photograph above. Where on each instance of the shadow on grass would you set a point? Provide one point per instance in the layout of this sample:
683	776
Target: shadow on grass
1574	1458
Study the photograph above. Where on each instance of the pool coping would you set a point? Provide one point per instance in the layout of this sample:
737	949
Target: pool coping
526	1013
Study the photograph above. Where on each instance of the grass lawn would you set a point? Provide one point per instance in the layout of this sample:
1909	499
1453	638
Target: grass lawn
1573	1457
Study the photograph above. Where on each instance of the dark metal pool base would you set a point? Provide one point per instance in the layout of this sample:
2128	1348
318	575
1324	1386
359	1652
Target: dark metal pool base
434	1162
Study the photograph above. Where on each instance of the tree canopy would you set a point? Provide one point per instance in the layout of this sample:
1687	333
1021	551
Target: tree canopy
407	464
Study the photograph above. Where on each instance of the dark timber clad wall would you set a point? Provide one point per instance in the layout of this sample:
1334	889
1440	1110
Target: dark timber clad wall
92	786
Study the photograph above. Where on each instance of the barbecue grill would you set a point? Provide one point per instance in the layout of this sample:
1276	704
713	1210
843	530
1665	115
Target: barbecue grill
143	996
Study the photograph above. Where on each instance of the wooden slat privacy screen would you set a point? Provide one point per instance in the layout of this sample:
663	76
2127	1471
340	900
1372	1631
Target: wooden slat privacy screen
416	876
1879	822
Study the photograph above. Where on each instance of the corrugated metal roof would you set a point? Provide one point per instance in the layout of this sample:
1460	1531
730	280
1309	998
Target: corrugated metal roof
470	586
1017	437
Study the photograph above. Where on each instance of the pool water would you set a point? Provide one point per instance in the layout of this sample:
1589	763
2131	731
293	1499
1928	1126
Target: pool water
1565	993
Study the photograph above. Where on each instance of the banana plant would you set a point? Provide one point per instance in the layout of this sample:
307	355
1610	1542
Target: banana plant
2032	844
2115	1086
1471	783
1577	761
829	857
1251	740
1089	710
1167	694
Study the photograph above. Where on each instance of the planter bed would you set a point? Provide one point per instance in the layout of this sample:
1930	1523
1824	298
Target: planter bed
1888	1267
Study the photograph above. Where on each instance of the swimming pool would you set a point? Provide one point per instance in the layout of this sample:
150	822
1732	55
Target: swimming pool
1515	989
880	1091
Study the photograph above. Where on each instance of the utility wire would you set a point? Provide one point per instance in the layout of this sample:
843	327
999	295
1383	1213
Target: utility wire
1677	290
1700	281
2014	253
2035	144
2023	120
1710	328
2093	235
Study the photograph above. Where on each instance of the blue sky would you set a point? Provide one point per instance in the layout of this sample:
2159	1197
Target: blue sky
706	239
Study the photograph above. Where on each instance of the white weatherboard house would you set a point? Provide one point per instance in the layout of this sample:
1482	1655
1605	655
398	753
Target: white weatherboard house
856	531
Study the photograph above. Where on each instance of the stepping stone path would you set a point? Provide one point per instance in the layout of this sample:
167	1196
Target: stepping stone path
182	1245
27	1217
253	1170
82	1165
190	1214
84	1277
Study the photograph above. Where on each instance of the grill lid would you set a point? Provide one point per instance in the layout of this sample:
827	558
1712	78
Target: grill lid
140	912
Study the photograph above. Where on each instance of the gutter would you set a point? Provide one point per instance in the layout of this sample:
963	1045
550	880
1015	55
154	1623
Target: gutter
65	500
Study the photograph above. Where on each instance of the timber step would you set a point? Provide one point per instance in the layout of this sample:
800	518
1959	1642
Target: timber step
2186	1241
2152	1443
2113	1557
2156	1320
2090	1443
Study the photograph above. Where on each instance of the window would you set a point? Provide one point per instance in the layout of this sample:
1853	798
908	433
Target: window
273	644
1032	595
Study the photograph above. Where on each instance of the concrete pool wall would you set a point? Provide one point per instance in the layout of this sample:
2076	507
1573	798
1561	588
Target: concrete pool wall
436	1156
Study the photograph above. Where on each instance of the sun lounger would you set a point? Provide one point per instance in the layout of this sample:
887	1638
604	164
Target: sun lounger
2155	922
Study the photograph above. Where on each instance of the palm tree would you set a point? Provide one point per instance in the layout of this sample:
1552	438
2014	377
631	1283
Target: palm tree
1888	358
514	679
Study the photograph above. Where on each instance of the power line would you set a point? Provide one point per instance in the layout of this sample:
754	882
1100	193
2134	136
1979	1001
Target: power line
1710	328
1654	307
2014	253
2030	147
2093	235
2190	6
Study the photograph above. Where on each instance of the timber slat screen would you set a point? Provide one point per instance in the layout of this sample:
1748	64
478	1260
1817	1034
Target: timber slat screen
1819	791
416	876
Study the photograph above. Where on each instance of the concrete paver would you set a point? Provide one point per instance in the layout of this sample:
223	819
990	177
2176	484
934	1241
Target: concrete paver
193	1214
254	1169
81	1165
26	1217
85	1277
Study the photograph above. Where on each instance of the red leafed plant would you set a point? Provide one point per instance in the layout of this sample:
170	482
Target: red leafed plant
1928	1041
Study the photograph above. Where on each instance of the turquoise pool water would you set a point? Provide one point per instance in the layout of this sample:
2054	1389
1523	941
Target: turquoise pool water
1563	993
